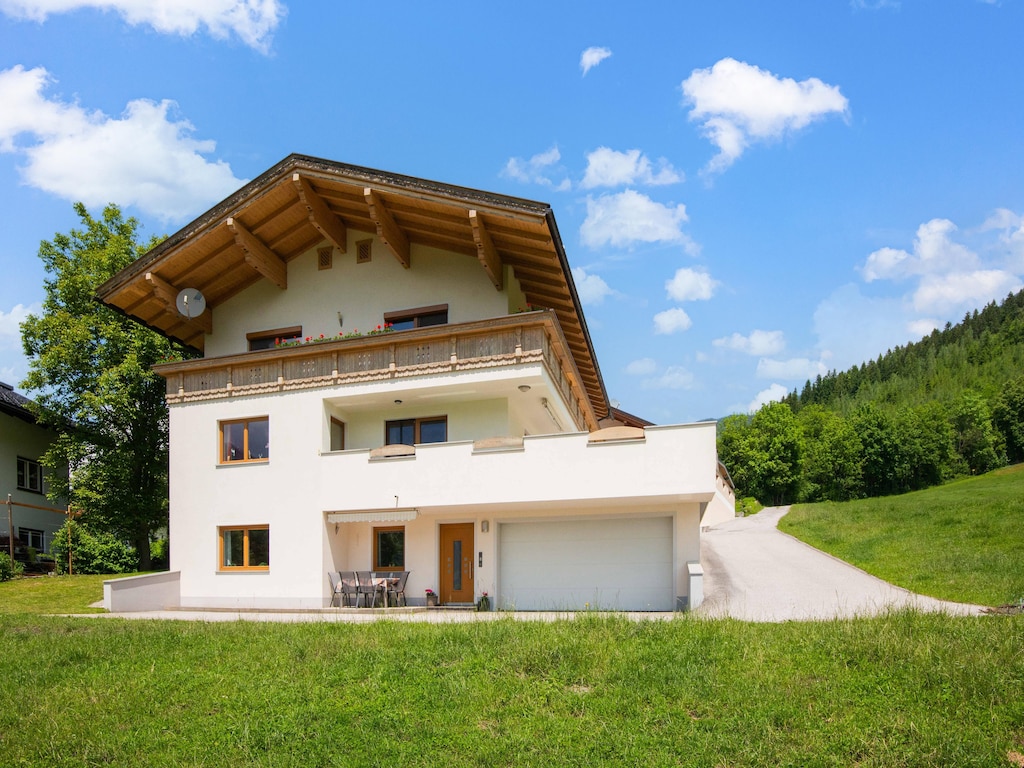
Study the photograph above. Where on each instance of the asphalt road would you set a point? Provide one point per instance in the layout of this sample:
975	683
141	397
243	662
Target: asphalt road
753	571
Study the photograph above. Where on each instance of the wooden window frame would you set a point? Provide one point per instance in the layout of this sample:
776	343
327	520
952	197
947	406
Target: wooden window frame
222	567
403	315
291	333
336	422
222	459
24	475
376	549
417	425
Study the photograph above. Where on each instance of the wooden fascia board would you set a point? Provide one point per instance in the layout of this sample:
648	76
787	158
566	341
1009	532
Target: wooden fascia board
259	256
321	217
167	295
387	229
485	250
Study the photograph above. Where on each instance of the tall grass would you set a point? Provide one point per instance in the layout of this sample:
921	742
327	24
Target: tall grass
905	689
963	541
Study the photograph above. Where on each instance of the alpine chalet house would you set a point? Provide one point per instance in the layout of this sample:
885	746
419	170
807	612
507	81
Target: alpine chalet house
397	376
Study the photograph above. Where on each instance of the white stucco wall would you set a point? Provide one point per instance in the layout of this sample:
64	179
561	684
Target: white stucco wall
362	293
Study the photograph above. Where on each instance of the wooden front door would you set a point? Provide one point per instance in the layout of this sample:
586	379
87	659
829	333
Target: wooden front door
457	563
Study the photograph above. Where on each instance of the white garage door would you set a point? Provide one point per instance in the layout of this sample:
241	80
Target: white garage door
621	564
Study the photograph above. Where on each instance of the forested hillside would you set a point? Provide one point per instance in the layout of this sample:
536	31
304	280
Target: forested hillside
951	404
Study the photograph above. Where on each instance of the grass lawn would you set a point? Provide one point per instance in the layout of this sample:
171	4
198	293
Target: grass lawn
961	541
900	690
52	594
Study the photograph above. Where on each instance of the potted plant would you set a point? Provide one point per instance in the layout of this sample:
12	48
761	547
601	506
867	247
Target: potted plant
484	603
431	597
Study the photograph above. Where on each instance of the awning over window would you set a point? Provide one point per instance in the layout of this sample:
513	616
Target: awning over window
373	516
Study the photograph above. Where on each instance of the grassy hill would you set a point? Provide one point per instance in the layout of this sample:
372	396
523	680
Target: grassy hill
961	541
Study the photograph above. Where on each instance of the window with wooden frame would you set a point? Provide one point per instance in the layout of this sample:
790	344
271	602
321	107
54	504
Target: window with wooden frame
413	431
269	339
245	440
31	537
389	548
337	434
30	475
422	317
244	548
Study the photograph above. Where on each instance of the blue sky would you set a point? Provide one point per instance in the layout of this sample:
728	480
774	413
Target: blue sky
749	193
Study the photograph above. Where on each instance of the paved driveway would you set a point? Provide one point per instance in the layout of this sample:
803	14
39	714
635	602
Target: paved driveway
753	571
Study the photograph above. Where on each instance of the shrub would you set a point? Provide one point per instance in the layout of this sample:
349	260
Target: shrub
92	552
9	568
159	556
748	506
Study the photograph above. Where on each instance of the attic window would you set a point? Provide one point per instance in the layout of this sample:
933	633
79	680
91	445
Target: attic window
364	251
325	257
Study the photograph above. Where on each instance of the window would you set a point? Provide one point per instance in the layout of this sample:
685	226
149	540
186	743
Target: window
245	440
417	318
268	339
413	431
337	435
30	537
364	251
389	549
30	475
245	548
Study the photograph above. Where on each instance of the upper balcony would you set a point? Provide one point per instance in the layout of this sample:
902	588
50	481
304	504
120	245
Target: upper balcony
530	337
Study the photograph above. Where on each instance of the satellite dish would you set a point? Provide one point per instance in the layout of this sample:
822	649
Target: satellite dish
191	303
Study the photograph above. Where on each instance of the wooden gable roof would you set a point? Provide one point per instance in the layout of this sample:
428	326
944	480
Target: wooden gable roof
303	201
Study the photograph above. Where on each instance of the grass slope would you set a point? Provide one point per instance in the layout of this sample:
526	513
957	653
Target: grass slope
962	541
900	690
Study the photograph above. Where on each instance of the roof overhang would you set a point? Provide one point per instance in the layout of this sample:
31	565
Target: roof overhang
304	201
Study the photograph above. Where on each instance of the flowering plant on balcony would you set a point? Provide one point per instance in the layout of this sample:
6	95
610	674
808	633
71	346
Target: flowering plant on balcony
298	341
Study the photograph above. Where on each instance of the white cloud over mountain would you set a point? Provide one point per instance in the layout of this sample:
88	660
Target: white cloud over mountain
757	343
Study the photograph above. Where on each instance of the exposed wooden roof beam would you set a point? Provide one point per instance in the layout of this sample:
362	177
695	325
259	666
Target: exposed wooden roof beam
167	295
485	250
320	216
387	230
259	256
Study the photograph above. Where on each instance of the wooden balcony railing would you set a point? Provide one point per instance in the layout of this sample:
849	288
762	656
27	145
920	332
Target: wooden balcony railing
525	338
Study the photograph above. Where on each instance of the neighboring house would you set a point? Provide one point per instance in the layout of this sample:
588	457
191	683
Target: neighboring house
459	428
22	443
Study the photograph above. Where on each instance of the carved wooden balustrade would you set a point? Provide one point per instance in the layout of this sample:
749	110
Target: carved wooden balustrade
505	341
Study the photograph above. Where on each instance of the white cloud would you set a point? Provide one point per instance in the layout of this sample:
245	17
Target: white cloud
591	289
794	369
921	328
774	393
10	324
608	168
674	377
739	104
537	170
757	343
254	21
1010	232
691	285
593	56
938	293
630	217
934	251
672	321
143	158
645	366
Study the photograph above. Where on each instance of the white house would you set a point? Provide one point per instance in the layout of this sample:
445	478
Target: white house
22	477
397	375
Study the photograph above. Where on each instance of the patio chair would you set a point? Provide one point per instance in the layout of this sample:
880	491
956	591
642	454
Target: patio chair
349	588
336	594
398	589
368	589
